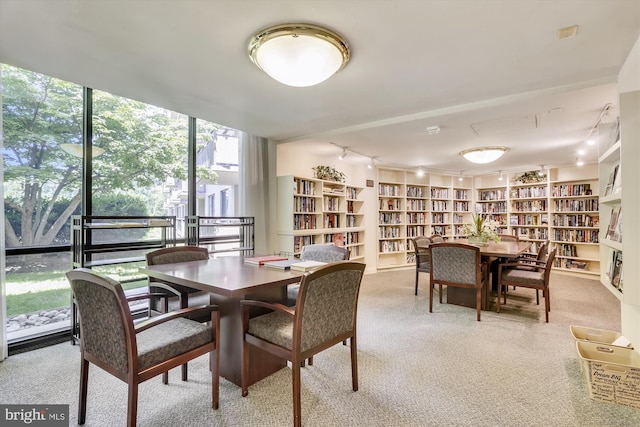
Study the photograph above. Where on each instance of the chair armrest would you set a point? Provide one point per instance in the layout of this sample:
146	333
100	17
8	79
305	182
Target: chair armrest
145	296
191	312
167	287
245	303
537	265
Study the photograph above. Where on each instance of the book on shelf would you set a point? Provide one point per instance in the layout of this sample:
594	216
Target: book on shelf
615	269
614	231
307	265
617	181
612	176
260	260
284	264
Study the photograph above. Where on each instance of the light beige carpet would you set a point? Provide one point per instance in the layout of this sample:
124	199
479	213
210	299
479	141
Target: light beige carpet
416	369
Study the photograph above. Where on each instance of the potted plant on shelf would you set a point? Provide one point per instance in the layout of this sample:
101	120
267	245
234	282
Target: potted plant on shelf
481	230
328	173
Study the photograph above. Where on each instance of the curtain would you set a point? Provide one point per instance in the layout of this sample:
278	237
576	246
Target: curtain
258	188
3	291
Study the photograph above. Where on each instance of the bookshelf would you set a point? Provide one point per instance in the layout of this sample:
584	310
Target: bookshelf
492	203
392	214
314	211
610	207
529	213
411	205
574	229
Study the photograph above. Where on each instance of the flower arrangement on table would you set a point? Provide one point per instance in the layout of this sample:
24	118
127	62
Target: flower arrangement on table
482	229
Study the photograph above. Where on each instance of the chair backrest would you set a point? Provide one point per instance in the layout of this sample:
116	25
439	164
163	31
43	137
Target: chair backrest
549	264
542	251
508	238
420	242
106	325
436	238
327	252
456	263
327	305
177	254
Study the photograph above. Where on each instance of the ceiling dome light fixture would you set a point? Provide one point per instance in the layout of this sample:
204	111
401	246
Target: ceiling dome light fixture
299	55
484	154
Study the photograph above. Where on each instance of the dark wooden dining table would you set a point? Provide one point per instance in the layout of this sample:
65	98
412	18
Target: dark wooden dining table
467	297
229	280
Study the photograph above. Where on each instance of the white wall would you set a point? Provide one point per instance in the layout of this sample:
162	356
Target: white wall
629	100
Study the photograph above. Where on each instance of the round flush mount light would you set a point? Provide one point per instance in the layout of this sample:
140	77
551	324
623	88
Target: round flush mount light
299	55
484	154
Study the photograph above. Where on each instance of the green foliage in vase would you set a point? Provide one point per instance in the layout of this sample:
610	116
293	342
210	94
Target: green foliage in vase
483	228
328	173
531	177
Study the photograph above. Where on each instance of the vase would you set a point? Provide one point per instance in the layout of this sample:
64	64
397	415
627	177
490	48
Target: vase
478	241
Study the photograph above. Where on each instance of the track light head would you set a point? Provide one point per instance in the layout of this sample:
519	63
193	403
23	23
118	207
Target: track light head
343	154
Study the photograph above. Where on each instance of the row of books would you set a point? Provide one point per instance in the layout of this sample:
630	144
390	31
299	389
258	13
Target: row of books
284	263
614	231
614	273
614	185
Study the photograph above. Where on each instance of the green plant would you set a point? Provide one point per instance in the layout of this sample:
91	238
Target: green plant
328	173
482	227
531	176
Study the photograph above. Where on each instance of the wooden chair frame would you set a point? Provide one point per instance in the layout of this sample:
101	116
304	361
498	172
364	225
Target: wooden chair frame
134	376
529	266
295	355
481	275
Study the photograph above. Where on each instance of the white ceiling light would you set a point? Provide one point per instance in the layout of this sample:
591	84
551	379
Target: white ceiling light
484	154
420	172
343	154
541	171
76	150
500	176
371	164
299	54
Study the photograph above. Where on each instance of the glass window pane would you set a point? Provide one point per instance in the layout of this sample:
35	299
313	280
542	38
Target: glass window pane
42	125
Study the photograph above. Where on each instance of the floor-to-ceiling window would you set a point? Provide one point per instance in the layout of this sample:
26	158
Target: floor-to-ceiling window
139	167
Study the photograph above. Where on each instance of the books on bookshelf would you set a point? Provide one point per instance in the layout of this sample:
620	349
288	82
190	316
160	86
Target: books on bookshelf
614	185
260	260
614	231
614	273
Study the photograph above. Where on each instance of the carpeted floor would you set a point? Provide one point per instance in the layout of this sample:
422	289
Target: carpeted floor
415	368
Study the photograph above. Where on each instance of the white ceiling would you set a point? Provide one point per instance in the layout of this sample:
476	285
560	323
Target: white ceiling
414	64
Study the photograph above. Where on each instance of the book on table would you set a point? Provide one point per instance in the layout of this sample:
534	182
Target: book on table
260	260
307	265
284	264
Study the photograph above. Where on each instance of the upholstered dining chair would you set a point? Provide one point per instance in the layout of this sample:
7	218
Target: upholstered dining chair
324	315
534	275
323	252
173	255
421	250
136	353
457	265
436	238
539	258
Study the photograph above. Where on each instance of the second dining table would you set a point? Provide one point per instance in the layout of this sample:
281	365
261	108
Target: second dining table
229	280
466	297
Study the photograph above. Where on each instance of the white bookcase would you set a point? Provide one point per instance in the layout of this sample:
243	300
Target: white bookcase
314	211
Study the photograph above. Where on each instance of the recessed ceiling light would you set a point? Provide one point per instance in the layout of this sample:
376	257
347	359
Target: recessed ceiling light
433	130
